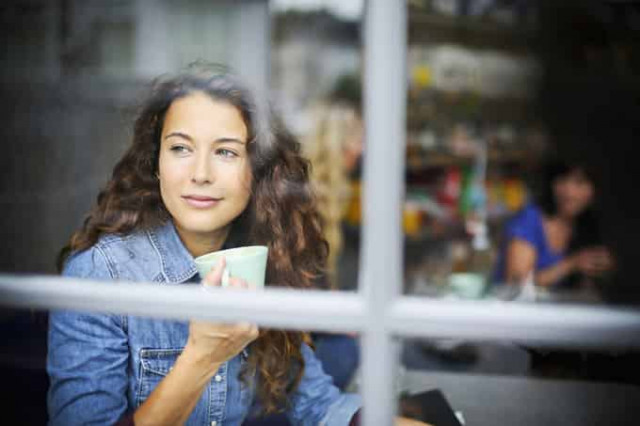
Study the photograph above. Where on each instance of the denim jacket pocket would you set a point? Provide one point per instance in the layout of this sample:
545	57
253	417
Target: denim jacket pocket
155	364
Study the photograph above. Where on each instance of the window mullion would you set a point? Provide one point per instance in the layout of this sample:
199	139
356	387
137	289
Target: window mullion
381	272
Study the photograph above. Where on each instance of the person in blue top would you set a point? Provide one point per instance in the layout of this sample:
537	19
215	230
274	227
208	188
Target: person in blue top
208	168
557	240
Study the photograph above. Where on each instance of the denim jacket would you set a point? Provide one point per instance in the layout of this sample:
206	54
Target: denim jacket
103	366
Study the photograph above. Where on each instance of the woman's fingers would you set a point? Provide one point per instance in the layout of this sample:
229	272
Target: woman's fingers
235	282
600	258
596	266
222	340
601	261
214	277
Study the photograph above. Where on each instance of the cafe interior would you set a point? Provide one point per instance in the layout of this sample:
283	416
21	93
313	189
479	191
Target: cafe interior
518	175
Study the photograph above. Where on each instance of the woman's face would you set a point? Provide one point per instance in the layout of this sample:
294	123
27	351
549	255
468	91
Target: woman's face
573	193
204	168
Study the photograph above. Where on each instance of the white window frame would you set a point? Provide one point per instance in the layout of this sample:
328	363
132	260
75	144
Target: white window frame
377	311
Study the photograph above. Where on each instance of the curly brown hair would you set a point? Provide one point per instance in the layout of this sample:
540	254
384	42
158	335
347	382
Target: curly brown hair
281	213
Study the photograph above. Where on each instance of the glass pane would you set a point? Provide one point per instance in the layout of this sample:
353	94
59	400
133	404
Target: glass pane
514	164
91	359
495	99
73	74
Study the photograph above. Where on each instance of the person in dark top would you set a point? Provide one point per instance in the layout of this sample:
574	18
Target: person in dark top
557	241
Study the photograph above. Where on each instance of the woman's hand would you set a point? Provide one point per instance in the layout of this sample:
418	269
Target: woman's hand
403	421
208	346
593	261
216	342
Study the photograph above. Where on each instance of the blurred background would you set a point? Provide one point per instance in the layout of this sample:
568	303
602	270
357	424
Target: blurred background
497	92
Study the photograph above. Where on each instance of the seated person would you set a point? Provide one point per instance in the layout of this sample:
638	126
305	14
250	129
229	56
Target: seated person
556	241
207	169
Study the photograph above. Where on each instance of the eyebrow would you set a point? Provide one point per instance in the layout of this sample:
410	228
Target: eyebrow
232	140
178	134
190	139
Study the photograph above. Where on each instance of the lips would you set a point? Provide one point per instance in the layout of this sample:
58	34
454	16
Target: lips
201	201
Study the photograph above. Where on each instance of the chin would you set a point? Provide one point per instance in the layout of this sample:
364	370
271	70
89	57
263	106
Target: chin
199	225
571	212
207	228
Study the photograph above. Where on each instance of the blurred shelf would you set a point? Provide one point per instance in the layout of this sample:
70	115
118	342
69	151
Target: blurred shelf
447	107
434	159
429	28
452	231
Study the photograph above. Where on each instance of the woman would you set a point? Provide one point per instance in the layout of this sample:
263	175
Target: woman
558	242
207	170
333	148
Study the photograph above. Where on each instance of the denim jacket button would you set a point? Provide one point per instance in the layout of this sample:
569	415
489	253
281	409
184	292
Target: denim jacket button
218	378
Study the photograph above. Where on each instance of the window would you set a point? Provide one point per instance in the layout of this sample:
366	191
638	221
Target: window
378	310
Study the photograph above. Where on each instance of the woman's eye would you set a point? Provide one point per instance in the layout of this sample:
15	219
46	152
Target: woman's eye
226	153
179	149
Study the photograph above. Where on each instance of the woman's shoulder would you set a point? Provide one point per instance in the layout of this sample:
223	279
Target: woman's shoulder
115	256
529	214
525	224
88	263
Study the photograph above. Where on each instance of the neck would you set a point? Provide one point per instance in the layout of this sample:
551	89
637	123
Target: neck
198	244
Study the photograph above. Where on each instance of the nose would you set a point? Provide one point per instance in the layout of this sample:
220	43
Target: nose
203	172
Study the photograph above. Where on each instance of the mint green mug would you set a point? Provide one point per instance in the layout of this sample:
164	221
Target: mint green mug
248	263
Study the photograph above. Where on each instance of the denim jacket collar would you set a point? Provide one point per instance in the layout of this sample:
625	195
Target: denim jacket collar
177	263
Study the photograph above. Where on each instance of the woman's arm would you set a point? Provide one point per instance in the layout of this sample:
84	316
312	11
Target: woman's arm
551	275
521	260
399	421
208	346
403	421
87	362
87	357
172	402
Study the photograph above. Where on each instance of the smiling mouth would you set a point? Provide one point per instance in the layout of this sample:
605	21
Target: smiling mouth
201	202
